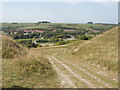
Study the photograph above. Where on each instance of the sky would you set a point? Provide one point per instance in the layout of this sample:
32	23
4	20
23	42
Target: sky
60	12
59	0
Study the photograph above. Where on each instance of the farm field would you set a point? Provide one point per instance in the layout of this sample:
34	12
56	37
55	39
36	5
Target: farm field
56	25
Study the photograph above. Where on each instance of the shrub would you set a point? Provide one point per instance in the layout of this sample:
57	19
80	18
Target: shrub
64	42
85	37
42	41
28	43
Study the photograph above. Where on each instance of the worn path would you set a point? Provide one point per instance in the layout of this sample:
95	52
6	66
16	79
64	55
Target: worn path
72	75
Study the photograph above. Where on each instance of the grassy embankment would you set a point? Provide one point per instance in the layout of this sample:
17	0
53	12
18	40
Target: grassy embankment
25	68
102	50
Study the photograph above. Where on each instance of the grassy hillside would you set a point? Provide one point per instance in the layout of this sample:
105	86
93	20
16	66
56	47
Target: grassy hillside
10	48
93	60
101	50
25	68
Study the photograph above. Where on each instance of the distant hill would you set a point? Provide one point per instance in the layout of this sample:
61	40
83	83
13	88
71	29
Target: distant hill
10	48
101	50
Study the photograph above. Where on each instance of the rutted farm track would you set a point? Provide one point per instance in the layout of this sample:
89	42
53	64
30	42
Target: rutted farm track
72	75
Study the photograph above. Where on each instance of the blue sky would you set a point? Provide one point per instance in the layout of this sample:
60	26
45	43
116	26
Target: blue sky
60	12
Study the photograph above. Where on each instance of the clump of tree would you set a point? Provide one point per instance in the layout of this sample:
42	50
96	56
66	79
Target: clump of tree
20	35
44	22
55	39
14	23
28	43
42	41
89	22
85	37
64	42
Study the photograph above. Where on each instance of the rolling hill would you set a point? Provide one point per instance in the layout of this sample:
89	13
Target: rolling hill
101	50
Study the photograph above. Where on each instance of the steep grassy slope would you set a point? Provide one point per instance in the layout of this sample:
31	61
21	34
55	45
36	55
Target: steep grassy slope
10	48
101	50
25	68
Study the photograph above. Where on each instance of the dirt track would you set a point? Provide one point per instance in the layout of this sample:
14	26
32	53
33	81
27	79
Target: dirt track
72	75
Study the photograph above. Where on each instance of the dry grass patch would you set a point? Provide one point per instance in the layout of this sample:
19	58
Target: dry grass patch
26	67
101	50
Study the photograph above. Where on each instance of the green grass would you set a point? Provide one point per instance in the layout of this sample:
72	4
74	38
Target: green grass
73	26
56	25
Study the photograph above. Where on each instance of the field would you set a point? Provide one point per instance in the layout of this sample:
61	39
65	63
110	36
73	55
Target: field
84	62
56	25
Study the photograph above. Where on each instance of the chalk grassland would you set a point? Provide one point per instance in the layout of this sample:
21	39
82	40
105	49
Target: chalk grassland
95	61
25	68
101	50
